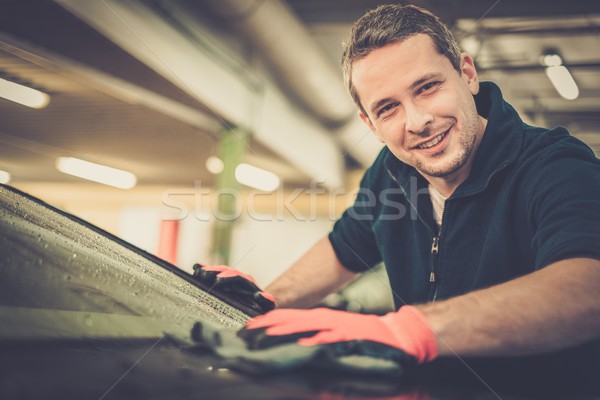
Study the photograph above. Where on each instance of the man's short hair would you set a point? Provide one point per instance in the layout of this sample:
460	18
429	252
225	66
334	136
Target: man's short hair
388	24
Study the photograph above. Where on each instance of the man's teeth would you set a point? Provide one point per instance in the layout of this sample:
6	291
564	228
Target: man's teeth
433	142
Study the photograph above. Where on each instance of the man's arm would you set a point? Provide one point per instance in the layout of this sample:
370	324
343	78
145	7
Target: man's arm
316	274
550	309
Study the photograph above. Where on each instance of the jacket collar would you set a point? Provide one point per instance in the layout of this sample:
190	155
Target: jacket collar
499	147
501	142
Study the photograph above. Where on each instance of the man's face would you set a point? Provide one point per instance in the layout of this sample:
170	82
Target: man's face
421	107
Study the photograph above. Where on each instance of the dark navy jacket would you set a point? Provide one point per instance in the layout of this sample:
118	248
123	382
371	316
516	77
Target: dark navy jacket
532	198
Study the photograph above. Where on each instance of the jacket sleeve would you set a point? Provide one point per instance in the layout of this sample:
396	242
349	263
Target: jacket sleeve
352	236
563	192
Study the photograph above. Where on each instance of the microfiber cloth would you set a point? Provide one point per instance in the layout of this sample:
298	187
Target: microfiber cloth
345	356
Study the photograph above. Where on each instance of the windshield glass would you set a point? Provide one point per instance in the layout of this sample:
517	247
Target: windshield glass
62	277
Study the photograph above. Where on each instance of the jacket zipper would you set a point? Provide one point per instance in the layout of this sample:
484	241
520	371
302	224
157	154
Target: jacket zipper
434	252
434	245
434	255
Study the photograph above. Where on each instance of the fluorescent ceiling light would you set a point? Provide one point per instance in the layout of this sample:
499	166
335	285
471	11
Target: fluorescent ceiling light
96	172
257	178
4	177
214	165
559	75
23	95
563	81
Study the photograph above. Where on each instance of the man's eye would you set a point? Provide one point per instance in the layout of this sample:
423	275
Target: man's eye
385	109
427	86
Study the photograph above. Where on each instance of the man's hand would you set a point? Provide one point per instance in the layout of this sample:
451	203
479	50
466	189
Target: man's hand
240	286
403	336
323	339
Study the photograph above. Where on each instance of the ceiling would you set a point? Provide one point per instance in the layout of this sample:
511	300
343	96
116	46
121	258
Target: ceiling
110	105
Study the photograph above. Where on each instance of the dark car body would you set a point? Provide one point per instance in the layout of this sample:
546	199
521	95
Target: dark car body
86	315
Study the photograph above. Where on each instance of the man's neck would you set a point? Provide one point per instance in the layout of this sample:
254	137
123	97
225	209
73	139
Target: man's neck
445	186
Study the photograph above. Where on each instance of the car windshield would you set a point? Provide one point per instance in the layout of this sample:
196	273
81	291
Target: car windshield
64	278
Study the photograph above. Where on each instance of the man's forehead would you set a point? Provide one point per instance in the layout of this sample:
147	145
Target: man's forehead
416	48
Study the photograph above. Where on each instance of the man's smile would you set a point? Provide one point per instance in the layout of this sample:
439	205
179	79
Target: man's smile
433	141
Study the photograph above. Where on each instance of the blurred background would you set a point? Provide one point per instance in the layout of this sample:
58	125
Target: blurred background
220	131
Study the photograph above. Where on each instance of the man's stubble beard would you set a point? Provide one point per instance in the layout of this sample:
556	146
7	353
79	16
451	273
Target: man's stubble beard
466	143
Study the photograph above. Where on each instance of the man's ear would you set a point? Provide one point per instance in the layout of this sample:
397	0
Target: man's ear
469	73
367	121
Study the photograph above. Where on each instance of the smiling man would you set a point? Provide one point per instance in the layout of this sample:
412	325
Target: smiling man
489	228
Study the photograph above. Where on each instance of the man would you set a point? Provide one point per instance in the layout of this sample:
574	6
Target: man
489	228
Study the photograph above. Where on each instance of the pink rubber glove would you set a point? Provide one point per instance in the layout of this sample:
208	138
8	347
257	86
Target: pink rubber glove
406	330
240	286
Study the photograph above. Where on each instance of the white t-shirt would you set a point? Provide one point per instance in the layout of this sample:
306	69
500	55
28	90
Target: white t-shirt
438	202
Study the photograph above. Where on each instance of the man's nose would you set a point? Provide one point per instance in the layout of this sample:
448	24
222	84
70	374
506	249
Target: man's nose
417	119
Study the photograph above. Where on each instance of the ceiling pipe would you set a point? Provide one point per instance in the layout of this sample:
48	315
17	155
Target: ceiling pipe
293	55
259	107
297	60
